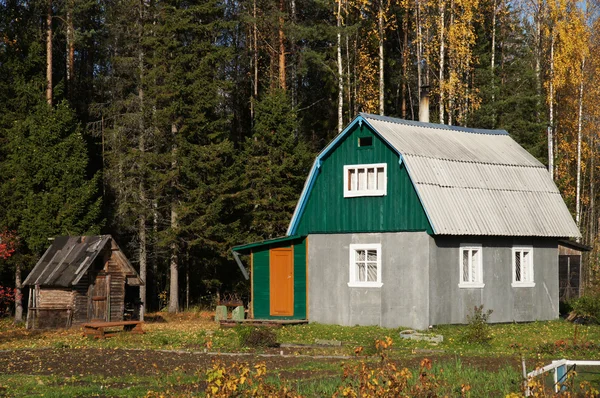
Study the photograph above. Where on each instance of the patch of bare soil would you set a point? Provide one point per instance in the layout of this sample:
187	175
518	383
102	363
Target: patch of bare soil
119	362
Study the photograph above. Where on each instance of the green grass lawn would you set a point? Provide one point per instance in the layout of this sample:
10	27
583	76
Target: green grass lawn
490	369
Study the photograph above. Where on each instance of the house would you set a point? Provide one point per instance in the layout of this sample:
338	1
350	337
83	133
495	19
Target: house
405	223
79	279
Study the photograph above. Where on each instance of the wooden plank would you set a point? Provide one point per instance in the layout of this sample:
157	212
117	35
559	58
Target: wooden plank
99	329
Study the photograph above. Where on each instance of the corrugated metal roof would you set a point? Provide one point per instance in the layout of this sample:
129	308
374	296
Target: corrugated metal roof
477	182
68	258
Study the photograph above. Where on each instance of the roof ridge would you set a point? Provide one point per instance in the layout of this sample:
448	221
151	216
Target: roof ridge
540	166
472	130
487	189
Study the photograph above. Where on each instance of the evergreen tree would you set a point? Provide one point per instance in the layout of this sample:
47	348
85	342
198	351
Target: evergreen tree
276	162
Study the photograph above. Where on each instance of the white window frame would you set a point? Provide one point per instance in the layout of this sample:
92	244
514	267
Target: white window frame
477	282
528	280
353	277
365	192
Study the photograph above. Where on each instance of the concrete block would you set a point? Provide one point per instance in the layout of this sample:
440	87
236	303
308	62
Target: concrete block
335	343
412	335
238	313
221	313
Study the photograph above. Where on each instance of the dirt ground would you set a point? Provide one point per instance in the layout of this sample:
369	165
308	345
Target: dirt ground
120	362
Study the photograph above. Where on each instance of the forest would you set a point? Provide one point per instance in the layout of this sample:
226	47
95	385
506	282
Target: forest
185	127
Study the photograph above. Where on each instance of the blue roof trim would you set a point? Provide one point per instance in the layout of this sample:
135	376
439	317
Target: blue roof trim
432	125
312	176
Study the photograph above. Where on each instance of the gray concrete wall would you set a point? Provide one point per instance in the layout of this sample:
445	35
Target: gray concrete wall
451	304
403	300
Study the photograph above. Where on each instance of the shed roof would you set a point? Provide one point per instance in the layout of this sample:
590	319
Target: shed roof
470	181
69	257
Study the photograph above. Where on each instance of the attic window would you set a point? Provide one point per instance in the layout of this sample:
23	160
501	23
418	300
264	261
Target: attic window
365	142
365	180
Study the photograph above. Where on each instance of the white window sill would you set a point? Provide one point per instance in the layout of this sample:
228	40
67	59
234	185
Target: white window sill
356	194
471	285
365	284
523	284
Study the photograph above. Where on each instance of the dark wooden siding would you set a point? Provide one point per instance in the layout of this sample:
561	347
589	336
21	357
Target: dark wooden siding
569	270
81	300
117	289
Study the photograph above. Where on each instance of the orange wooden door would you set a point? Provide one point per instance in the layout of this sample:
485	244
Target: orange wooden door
282	282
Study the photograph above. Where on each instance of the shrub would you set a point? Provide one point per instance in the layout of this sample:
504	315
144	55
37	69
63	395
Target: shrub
257	337
242	380
478	330
587	307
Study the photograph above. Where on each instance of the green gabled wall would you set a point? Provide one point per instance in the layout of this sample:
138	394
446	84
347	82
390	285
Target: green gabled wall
261	286
327	211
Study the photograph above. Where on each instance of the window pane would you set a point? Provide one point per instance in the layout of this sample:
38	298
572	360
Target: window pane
362	179
360	272
360	255
351	180
371	255
518	266
465	261
371	179
372	272
525	267
380	178
474	265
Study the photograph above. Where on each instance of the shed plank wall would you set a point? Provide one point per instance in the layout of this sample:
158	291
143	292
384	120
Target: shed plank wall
117	289
80	314
55	298
261	282
328	211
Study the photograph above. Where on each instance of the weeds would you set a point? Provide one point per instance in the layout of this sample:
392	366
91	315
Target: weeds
478	330
256	337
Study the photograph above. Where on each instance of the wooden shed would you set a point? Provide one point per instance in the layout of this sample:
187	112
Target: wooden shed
569	268
79	279
278	278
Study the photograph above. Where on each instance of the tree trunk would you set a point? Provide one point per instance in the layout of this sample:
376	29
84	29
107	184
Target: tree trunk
340	69
441	75
187	283
493	63
579	125
451	67
18	295
174	266
142	253
282	77
405	55
348	81
70	51
538	56
381	59
551	111
254	62
49	93
142	257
